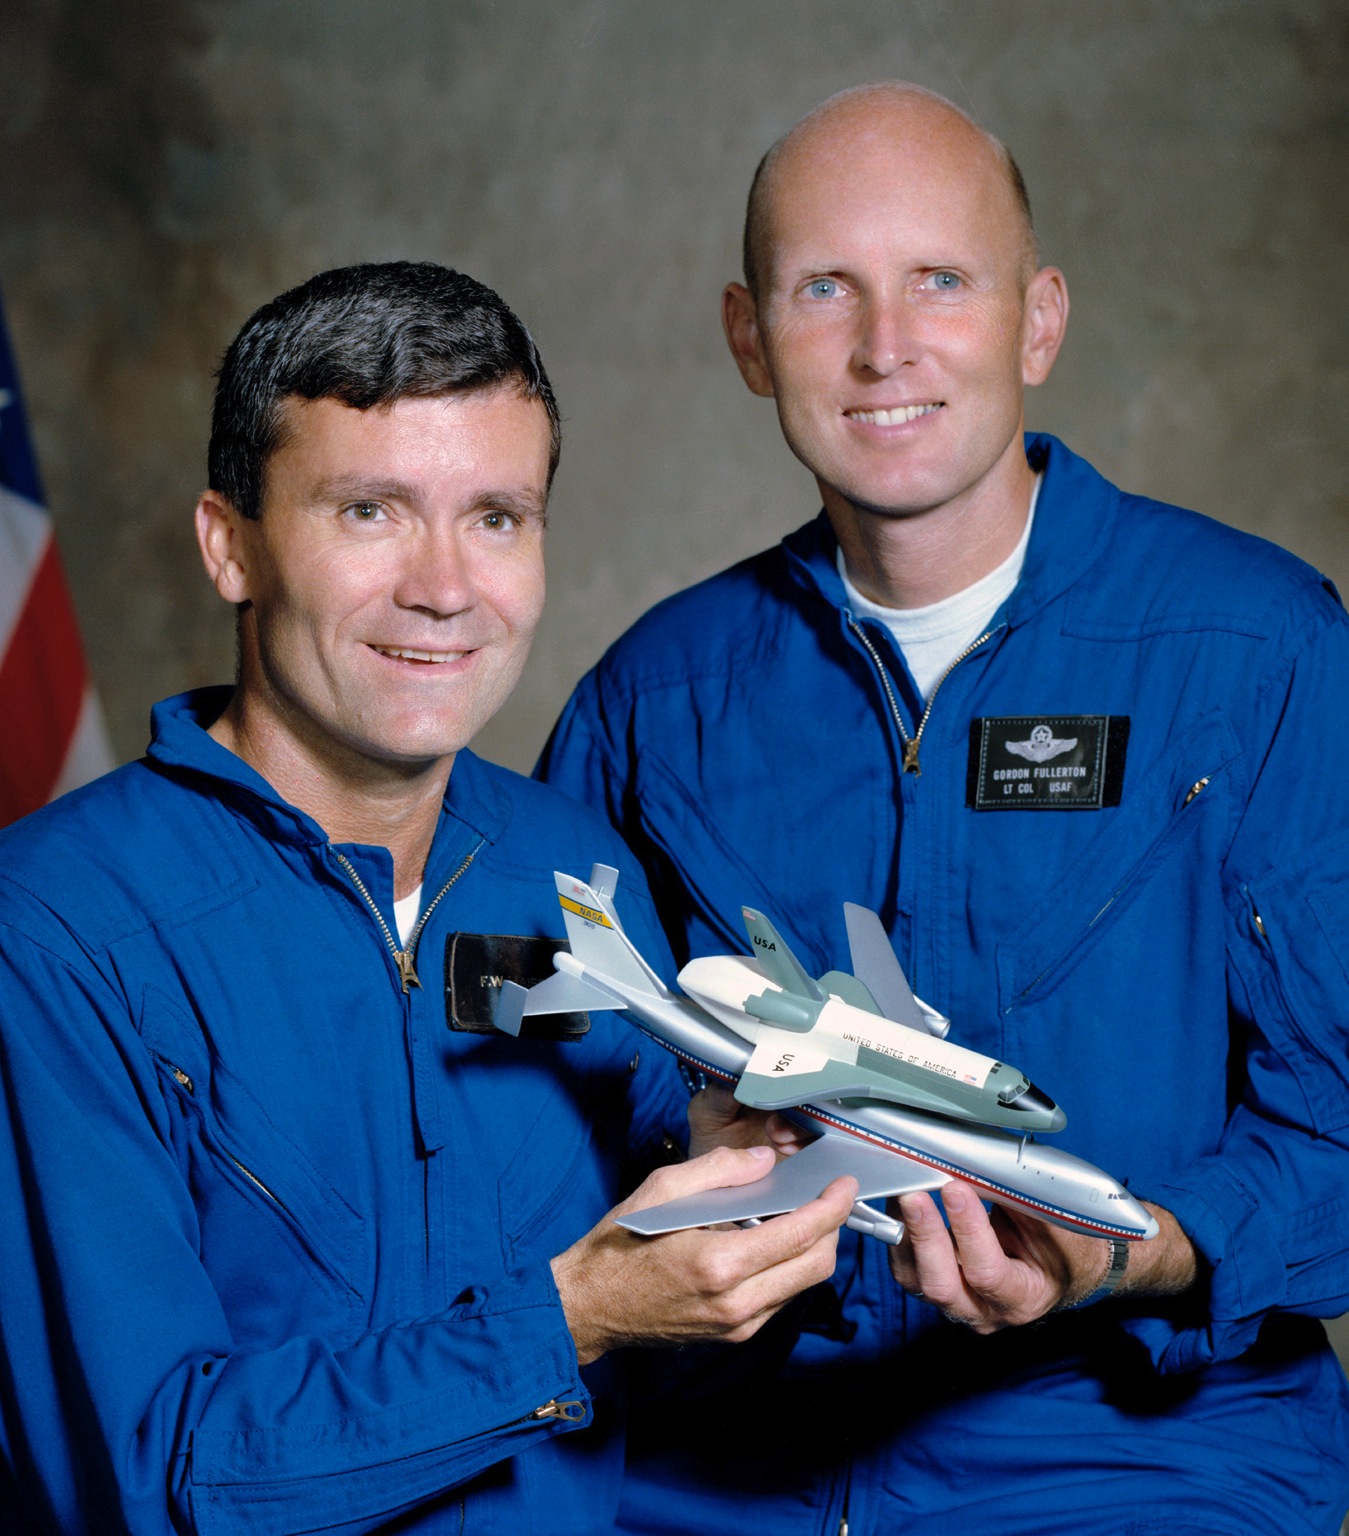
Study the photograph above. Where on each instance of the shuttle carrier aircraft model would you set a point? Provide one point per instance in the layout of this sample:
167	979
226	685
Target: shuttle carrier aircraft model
856	1058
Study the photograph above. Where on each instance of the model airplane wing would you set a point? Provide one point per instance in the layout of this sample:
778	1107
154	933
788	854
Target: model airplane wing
557	993
793	1182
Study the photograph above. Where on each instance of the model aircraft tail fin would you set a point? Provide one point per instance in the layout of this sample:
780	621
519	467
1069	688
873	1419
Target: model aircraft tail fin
777	961
600	952
595	934
876	966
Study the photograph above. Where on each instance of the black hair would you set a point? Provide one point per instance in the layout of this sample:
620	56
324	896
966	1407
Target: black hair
364	335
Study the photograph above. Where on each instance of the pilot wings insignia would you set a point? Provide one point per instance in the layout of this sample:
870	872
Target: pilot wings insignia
1042	745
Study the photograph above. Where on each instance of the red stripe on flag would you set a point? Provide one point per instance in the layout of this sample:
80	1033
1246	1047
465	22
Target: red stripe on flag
42	683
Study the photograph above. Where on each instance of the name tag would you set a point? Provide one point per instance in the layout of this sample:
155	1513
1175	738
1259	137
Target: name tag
475	966
1046	762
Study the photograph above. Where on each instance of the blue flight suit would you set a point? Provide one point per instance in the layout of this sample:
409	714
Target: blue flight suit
1172	968
275	1236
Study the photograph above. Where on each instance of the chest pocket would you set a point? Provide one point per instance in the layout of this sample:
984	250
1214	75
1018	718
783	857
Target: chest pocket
562	1175
1162	818
284	1250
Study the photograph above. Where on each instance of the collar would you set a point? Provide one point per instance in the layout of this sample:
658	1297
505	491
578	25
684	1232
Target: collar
180	743
1074	516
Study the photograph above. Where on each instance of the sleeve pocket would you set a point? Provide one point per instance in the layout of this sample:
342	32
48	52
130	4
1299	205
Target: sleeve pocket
1305	917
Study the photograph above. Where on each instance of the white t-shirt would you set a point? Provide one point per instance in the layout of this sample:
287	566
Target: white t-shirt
406	913
931	638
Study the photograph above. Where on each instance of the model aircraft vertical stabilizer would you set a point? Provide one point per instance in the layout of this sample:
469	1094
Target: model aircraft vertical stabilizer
777	961
875	966
596	936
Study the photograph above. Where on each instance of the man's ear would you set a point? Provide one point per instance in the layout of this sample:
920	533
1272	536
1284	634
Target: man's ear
222	539
740	320
1044	320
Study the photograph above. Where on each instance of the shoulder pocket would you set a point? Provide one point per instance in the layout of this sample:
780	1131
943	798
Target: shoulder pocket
696	861
1161	815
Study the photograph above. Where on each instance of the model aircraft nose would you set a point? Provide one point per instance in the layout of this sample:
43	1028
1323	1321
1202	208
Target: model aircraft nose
1035	1101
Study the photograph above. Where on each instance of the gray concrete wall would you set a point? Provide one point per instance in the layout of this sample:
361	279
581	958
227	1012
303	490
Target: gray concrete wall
169	164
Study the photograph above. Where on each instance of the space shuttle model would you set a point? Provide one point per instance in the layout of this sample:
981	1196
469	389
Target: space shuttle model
855	1057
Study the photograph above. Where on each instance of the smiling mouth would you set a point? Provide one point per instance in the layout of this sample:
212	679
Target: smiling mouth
407	653
897	416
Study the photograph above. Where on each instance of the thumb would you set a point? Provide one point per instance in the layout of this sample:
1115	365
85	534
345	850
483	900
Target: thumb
721	1168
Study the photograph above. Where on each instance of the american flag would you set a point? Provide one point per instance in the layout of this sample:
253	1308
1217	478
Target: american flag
51	729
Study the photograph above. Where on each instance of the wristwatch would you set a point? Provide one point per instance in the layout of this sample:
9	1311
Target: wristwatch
1119	1262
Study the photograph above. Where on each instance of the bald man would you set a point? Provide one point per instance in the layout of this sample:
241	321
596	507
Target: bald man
1072	745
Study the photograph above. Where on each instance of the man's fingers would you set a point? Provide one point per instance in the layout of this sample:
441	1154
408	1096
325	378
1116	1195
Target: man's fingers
935	1272
902	1267
953	1266
783	1256
780	1239
617	1288
796	1231
712	1110
786	1137
925	1235
988	1272
717	1119
983	1264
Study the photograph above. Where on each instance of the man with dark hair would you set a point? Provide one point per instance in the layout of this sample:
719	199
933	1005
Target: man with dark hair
1075	747
365	336
293	1241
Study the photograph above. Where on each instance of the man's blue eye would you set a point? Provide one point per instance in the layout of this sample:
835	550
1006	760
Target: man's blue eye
823	288
945	281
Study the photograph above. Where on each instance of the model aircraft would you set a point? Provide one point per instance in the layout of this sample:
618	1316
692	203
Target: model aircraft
856	1058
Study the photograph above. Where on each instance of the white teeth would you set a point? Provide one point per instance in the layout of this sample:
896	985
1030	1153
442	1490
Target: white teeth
897	417
405	653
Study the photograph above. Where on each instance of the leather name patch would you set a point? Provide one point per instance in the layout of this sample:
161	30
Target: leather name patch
1046	762
475	966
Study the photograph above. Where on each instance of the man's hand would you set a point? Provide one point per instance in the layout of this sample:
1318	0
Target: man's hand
689	1287
1000	1269
718	1119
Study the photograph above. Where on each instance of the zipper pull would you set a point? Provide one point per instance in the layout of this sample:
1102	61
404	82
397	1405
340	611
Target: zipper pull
1195	788
911	757
572	1411
407	972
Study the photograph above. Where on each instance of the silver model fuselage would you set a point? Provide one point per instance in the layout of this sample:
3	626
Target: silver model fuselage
1011	1170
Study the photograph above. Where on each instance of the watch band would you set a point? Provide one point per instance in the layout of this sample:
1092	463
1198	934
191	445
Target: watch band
1119	1262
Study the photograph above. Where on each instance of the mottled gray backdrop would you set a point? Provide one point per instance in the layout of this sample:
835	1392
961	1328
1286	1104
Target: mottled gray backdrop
167	165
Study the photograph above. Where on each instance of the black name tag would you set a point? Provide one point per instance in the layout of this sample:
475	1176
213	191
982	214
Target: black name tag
1046	762
475	966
